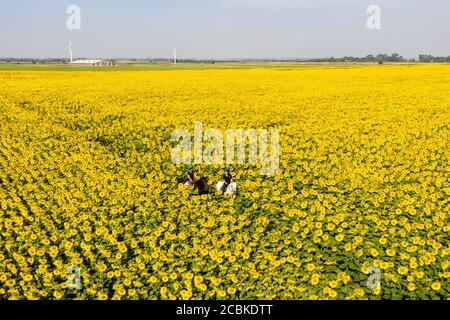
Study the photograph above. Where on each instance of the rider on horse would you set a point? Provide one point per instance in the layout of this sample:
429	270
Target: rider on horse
227	178
190	181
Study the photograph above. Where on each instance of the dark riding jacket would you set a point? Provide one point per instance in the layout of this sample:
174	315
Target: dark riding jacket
191	176
227	178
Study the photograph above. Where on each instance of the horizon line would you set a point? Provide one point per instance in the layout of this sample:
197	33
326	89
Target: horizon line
220	59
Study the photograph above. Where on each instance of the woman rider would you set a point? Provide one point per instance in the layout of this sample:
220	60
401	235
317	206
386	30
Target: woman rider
191	176
227	179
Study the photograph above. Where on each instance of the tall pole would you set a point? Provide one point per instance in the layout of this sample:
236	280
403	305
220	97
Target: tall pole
70	51
174	56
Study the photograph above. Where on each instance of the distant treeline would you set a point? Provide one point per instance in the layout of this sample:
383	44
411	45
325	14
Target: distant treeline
395	57
32	60
430	58
380	58
369	58
116	60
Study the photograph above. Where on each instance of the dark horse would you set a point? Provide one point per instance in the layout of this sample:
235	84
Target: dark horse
201	185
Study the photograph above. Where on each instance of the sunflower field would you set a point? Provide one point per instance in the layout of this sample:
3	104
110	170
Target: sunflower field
86	180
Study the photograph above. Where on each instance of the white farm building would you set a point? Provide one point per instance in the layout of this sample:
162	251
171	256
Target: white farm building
88	62
92	62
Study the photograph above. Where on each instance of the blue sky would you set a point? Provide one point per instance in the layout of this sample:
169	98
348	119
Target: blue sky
223	28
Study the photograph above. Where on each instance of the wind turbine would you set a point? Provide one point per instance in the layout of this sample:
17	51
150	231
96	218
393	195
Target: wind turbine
174	56
70	51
